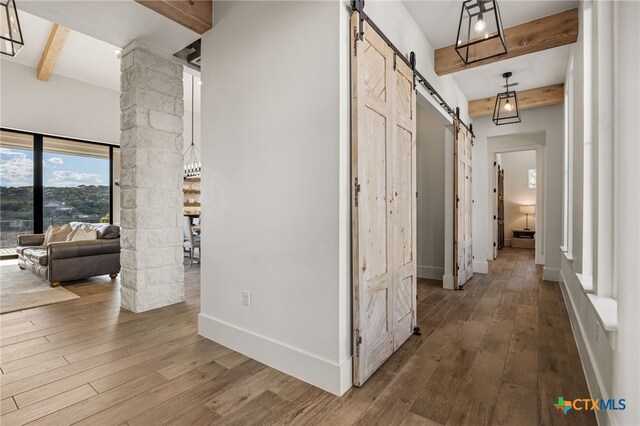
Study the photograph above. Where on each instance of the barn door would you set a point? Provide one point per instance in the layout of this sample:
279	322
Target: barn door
463	202
384	202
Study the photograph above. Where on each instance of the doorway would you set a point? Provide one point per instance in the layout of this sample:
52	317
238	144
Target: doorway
516	199
434	145
517	206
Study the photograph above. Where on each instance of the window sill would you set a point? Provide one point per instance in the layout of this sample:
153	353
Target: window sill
606	309
586	281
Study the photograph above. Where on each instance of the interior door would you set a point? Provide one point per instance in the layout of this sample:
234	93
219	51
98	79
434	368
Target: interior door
383	202
500	208
463	202
404	212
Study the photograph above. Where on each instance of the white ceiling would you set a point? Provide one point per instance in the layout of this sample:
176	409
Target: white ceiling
438	20
90	59
82	58
529	71
115	22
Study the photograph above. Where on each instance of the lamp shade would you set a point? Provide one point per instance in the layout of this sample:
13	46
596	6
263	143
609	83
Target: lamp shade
528	209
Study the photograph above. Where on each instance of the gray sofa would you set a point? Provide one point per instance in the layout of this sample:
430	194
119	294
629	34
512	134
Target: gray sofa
71	260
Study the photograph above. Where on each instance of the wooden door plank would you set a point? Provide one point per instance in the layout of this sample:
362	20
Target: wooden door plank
372	132
534	36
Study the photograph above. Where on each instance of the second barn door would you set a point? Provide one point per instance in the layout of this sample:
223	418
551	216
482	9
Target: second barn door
463	206
384	201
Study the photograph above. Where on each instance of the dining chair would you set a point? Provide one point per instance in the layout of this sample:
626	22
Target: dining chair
191	242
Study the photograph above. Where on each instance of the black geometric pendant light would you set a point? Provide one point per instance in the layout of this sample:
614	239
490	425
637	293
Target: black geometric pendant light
506	110
10	32
480	32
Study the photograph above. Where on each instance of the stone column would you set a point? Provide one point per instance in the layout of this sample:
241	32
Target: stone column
152	105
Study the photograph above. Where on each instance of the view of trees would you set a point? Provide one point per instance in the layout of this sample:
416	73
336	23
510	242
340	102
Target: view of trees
82	203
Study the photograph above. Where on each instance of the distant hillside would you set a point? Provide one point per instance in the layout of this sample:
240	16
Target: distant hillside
84	203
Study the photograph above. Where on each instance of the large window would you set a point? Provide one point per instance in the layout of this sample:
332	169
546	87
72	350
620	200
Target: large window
75	182
47	179
16	186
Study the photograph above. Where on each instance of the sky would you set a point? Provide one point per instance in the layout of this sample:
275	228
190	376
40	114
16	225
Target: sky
60	170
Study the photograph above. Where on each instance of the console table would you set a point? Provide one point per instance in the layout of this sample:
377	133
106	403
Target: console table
523	238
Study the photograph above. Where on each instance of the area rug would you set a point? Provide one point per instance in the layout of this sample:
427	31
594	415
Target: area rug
22	290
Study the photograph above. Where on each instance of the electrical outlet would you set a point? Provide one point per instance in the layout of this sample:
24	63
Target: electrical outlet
246	297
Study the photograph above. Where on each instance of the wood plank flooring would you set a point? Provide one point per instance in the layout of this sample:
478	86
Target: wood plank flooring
500	352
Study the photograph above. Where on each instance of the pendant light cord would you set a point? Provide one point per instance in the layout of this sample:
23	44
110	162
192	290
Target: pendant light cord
193	110
192	165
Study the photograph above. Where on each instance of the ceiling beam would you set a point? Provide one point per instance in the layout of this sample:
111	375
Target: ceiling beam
540	34
527	99
51	52
197	15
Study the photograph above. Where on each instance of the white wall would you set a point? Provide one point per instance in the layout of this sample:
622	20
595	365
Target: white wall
431	193
539	126
603	299
62	106
271	119
516	190
276	179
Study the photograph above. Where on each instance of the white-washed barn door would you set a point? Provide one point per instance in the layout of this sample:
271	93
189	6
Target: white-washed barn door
383	202
463	206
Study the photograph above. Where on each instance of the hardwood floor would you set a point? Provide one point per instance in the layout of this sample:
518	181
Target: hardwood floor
499	352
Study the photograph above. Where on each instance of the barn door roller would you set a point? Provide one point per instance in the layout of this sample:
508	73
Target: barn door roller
358	6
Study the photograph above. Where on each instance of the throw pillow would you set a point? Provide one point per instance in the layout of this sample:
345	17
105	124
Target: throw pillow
47	234
83	234
107	232
57	233
72	234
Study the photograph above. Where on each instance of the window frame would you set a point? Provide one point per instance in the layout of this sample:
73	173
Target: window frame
38	190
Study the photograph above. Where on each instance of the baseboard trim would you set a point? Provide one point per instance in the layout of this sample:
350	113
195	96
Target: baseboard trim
480	267
550	274
430	272
320	372
447	282
590	369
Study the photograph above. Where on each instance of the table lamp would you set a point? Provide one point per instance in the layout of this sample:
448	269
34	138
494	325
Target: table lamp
528	209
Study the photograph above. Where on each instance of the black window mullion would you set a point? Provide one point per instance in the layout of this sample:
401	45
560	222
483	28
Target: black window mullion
38	194
111	185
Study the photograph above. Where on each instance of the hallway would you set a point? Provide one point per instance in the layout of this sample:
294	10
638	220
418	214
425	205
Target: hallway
499	352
